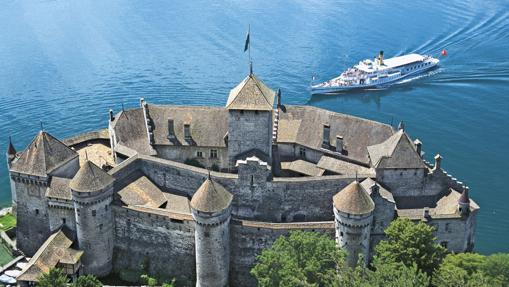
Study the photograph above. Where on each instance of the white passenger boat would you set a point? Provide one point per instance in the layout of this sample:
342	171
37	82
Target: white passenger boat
377	73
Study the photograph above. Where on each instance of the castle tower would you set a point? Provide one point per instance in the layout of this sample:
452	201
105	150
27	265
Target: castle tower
32	172
353	213
92	193
250	107
10	155
464	202
211	209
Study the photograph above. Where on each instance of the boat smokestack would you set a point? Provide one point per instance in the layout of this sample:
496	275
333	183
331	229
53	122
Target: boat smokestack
381	58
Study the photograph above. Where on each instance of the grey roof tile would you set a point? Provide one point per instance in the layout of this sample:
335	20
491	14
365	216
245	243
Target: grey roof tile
251	94
211	197
43	156
90	178
353	199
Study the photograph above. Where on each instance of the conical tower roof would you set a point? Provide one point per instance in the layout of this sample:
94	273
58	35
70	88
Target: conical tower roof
464	198
90	178
251	94
211	197
11	151
43	155
353	199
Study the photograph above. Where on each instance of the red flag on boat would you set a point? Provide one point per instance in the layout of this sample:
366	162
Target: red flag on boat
444	52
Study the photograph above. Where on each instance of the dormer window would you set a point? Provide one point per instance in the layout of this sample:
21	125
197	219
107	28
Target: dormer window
171	129
187	131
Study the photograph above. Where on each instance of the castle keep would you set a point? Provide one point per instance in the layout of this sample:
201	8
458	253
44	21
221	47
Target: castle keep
197	192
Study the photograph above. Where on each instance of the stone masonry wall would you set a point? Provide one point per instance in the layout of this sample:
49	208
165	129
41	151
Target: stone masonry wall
182	153
246	242
32	216
249	130
164	246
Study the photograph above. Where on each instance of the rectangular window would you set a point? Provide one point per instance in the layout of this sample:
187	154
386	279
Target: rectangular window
302	152
63	220
171	129
213	153
187	131
37	212
94	212
199	154
444	244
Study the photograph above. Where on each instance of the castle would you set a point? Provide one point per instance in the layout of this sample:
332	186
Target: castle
196	193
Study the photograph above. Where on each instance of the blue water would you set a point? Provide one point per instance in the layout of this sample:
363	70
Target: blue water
65	63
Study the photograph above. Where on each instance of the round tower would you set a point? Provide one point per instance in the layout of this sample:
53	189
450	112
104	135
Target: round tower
211	209
353	213
464	202
92	190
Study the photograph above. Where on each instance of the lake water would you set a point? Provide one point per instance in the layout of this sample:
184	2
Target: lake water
65	63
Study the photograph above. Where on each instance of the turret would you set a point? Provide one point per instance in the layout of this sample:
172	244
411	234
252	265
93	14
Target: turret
211	209
92	191
464	202
10	155
353	213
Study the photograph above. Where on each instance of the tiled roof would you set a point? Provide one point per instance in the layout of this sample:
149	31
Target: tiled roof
251	94
59	188
142	192
207	125
445	207
302	167
211	197
90	178
342	167
353	199
43	155
304	125
57	248
384	193
398	151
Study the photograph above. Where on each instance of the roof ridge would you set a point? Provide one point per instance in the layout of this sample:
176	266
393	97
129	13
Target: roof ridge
243	85
258	83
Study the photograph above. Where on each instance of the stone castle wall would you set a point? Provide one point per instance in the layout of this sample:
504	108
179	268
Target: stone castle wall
248	130
248	239
183	153
32	226
154	244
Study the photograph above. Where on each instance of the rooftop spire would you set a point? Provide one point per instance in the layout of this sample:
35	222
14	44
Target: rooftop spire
42	126
11	151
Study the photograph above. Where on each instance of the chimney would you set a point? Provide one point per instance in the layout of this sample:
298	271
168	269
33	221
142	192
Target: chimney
339	144
111	115
375	189
326	136
187	131
418	147
142	101
438	161
426	213
171	129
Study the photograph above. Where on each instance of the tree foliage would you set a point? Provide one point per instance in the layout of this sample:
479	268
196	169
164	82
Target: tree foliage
54	278
302	259
410	243
87	281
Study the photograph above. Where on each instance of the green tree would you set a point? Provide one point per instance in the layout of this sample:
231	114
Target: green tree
497	266
87	281
396	274
410	243
301	259
54	278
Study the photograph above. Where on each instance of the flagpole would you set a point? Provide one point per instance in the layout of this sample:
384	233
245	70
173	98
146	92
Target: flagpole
249	49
